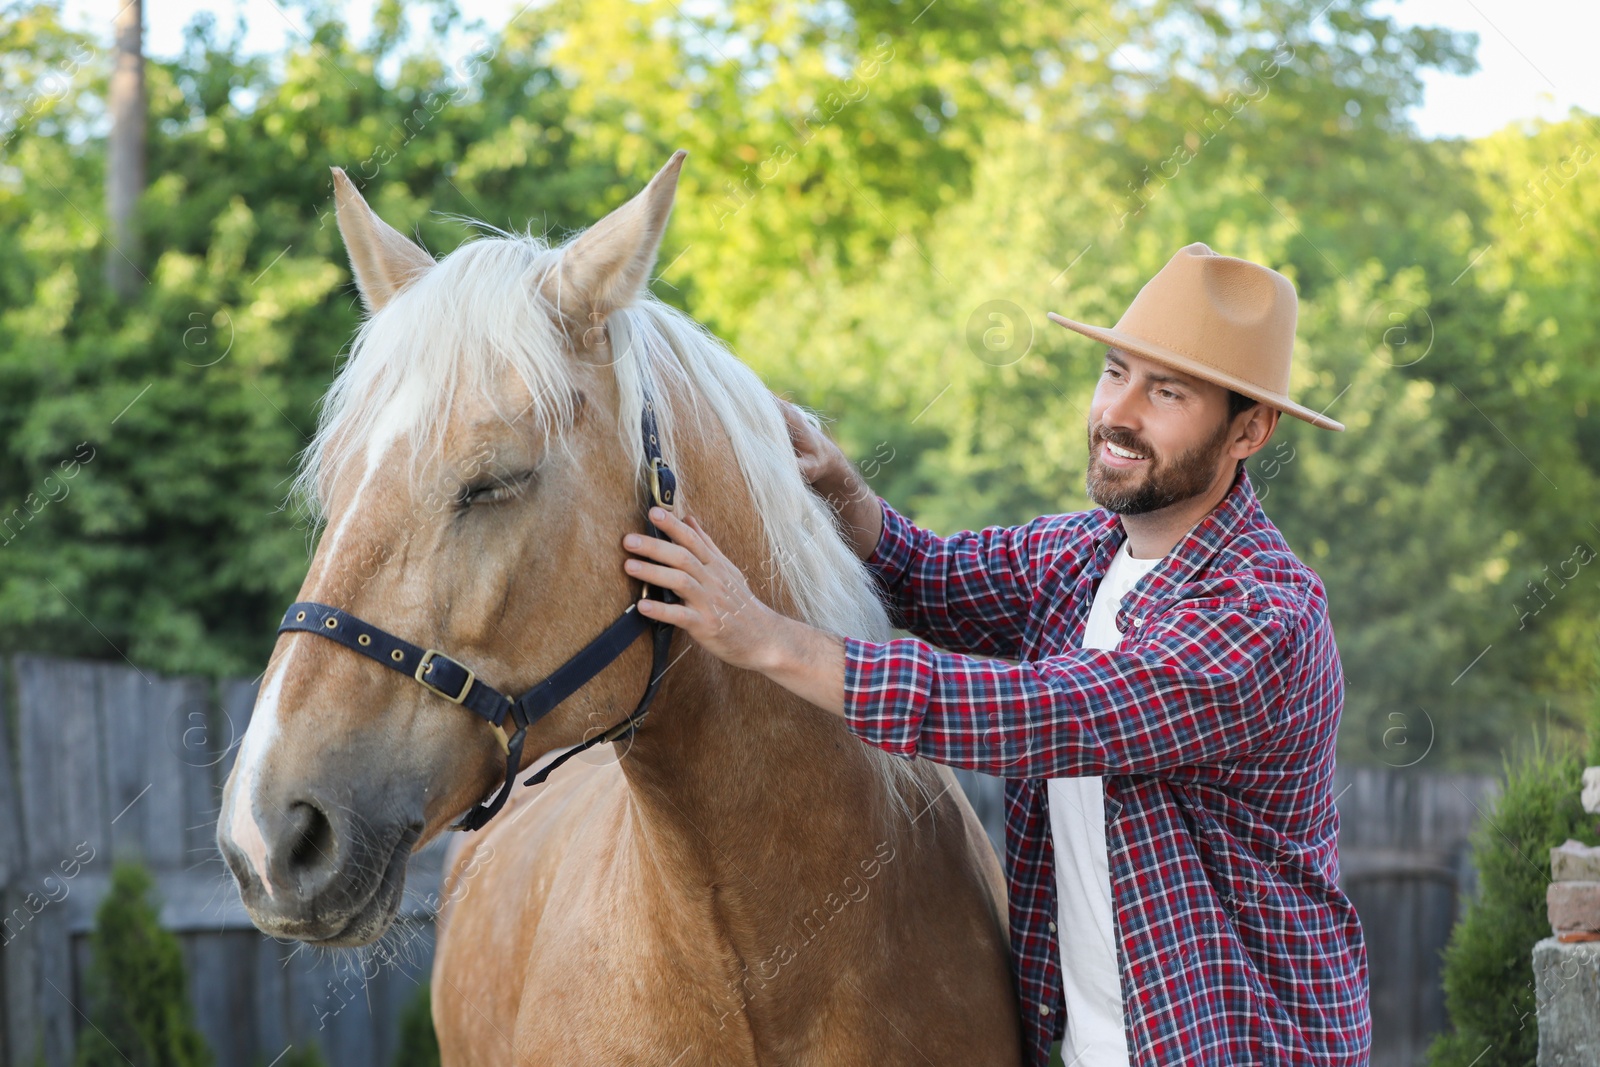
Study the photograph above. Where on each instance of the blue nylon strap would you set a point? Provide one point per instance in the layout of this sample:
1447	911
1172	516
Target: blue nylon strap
664	484
572	675
450	678
440	673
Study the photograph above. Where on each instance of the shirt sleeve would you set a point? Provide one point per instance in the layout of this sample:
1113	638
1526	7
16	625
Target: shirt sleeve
1204	683
970	592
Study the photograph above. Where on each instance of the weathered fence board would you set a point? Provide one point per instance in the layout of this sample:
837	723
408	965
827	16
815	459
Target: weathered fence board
1404	857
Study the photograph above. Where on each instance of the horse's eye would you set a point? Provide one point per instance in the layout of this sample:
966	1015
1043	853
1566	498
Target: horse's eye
493	490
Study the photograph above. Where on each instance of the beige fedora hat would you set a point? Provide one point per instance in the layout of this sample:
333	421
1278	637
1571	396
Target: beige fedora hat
1223	319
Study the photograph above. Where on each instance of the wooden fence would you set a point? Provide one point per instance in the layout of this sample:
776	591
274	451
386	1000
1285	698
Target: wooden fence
101	763
110	764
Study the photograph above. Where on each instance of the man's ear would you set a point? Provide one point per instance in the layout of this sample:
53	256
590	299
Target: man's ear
1255	430
384	260
605	267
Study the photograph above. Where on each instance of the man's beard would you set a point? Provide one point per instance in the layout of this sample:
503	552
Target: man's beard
1129	491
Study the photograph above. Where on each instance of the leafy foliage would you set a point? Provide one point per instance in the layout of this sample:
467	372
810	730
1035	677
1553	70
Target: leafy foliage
876	199
1488	966
137	991
419	1046
299	1056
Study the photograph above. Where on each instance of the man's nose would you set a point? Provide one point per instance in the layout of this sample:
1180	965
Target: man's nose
1121	411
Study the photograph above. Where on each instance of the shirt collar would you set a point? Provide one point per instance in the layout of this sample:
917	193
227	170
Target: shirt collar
1236	511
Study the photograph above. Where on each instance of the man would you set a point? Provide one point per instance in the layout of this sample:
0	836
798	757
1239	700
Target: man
1167	728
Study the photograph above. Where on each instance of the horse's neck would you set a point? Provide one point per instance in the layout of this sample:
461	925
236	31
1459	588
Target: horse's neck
769	803
748	762
751	788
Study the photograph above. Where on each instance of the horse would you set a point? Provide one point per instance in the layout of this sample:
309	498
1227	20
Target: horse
735	880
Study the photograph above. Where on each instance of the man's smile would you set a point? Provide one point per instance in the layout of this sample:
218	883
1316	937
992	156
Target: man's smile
1116	456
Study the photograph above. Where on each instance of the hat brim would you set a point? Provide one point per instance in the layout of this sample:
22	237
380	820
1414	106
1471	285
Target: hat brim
1189	365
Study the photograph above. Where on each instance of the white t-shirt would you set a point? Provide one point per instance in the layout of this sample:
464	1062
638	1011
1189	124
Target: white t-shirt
1087	932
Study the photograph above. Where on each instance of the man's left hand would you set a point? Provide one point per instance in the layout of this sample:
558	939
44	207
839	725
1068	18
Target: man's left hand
716	607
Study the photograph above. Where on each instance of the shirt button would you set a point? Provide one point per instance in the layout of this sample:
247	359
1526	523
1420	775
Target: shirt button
1044	1009
1052	928
1139	621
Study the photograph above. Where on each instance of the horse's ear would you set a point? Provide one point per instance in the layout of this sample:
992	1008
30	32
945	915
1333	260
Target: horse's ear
606	266
385	261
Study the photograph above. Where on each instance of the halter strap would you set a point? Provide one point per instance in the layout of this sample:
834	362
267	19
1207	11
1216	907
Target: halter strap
459	684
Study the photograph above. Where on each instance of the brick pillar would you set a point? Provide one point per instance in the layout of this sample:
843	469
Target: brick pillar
1567	982
1566	967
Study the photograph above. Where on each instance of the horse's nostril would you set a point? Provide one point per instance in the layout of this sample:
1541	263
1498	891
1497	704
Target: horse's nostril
310	838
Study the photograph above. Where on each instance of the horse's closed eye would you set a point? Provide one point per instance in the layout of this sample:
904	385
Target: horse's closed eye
493	490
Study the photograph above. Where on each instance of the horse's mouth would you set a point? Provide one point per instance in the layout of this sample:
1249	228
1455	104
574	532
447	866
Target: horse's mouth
372	919
355	924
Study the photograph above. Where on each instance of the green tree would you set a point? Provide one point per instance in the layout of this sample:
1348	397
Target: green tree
147	447
138	997
419	1045
297	1056
1488	966
877	193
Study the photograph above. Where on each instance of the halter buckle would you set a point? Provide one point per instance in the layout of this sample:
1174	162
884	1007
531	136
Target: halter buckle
661	491
425	664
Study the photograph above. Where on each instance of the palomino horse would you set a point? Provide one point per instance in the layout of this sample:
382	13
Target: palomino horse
741	881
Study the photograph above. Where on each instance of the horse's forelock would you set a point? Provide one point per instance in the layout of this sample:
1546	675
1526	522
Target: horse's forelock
475	316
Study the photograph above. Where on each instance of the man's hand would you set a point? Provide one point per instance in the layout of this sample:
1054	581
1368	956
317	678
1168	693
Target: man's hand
716	606
720	613
834	478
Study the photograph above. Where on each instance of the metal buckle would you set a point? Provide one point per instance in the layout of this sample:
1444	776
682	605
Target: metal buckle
656	463
426	664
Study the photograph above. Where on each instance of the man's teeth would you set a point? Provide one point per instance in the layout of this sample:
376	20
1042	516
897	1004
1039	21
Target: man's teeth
1123	452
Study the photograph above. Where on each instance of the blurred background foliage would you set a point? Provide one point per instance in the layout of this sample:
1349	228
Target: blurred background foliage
880	205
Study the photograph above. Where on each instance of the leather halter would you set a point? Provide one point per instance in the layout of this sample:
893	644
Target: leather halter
457	683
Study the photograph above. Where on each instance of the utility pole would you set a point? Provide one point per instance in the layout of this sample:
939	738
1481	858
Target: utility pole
125	153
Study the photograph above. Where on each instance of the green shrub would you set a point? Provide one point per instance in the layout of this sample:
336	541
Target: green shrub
138	997
295	1056
419	1046
1488	965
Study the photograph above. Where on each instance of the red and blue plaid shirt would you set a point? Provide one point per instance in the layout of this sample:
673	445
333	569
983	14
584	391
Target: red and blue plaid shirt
1213	724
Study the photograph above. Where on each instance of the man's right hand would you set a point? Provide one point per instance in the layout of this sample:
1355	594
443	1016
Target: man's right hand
834	478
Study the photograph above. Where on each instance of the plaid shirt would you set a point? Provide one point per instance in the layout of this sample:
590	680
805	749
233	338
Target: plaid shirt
1213	724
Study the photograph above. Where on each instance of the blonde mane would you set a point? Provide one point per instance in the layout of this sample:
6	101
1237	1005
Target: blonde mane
482	312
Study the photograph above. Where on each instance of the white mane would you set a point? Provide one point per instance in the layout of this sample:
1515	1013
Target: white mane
480	312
